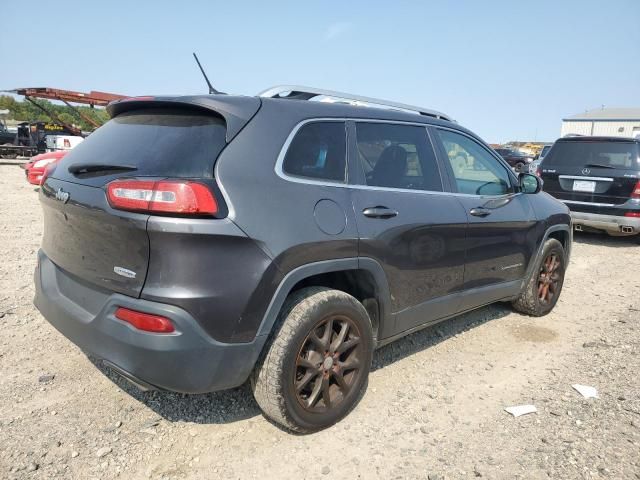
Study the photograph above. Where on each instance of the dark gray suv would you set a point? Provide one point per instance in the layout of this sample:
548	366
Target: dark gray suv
194	243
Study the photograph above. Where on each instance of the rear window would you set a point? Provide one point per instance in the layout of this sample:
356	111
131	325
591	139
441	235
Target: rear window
621	155
545	150
157	142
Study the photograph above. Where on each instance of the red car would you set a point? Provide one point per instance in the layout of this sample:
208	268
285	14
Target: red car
35	168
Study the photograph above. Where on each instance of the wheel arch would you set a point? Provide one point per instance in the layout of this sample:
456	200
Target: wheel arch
362	278
562	233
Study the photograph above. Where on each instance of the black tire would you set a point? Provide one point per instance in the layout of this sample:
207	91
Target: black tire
280	368
519	167
531	300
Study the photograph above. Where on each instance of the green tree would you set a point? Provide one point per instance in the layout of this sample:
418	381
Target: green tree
25	111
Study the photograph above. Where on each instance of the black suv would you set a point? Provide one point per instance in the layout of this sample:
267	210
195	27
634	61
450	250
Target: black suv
518	160
193	243
599	179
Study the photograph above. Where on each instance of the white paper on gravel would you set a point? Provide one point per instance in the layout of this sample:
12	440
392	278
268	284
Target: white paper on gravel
586	391
518	410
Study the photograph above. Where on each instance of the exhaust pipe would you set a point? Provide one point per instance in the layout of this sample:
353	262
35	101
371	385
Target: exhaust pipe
626	229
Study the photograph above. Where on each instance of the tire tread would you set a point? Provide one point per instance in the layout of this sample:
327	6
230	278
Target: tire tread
267	377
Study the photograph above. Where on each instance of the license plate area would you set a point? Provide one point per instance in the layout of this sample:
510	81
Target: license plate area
584	186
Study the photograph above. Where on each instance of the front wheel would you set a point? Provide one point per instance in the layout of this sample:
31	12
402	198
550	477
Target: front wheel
543	288
315	369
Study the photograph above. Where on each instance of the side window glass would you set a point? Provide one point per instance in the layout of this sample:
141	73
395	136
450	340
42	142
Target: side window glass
476	171
397	156
318	151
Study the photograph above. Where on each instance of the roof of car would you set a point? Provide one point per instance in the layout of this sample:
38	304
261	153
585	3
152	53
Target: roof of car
230	106
237	110
299	92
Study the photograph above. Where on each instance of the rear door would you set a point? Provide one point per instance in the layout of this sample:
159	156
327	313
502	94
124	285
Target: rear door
592	175
83	235
406	222
501	238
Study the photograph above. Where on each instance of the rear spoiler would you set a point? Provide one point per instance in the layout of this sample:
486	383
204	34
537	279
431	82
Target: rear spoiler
237	111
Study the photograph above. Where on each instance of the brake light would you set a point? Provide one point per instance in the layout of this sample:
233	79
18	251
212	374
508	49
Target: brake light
166	196
632	214
145	321
636	190
538	171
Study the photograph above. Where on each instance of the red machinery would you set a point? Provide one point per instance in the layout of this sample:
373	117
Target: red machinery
34	145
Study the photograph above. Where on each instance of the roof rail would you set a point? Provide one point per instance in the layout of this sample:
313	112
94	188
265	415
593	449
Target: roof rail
297	92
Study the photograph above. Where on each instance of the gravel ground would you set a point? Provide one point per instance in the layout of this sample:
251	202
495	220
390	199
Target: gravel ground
434	407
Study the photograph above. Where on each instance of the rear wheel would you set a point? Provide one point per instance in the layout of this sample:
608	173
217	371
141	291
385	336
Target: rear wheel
543	288
315	369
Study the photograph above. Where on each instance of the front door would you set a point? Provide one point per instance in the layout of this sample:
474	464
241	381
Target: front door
407	223
501	238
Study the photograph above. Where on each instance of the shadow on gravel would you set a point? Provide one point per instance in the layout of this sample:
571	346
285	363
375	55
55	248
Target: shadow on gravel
212	408
238	404
430	336
604	240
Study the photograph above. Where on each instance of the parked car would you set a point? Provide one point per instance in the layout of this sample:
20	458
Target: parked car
35	168
599	179
194	243
535	165
517	160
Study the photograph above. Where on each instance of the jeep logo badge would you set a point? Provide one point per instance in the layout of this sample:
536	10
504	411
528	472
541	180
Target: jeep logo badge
125	272
62	195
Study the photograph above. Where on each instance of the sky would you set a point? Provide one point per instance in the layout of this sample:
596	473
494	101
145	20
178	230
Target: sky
508	70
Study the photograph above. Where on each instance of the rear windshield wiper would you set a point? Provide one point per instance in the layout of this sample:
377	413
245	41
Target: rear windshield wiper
598	165
80	168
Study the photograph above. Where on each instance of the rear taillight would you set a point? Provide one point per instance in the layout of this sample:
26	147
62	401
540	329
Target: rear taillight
539	171
632	214
145	321
166	196
47	171
636	190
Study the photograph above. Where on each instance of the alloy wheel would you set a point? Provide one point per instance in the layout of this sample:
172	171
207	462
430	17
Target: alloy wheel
549	279
328	364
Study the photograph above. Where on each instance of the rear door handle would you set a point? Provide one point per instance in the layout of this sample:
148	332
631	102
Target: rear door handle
379	212
480	212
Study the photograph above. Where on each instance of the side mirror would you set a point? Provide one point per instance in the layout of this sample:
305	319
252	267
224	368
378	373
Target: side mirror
530	183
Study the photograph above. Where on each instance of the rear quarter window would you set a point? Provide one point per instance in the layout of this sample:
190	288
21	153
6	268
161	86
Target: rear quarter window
157	142
318	151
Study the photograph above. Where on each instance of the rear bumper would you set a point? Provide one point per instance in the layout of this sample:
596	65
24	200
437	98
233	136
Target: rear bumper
614	224
187	360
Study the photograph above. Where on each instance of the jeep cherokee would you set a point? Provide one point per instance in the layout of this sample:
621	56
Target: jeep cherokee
194	243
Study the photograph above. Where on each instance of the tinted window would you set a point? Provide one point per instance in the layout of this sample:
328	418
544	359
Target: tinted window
158	142
397	156
318	151
545	150
622	155
476	171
